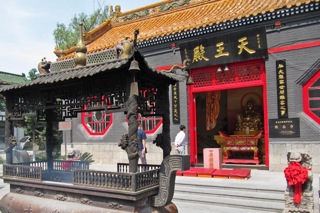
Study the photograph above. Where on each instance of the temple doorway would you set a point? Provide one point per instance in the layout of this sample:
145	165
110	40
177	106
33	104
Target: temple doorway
227	91
222	112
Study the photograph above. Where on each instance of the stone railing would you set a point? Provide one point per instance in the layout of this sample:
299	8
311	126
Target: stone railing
70	165
110	191
116	180
25	172
58	165
79	174
124	167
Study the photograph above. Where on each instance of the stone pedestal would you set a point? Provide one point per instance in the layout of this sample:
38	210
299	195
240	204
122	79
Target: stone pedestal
306	205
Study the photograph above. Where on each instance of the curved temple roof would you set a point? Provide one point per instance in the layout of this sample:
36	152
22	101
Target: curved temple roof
90	70
170	17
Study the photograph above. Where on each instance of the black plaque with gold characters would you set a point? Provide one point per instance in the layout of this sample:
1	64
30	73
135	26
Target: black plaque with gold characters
175	104
284	128
232	47
282	89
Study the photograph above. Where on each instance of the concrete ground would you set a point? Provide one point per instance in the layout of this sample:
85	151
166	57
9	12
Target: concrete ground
258	177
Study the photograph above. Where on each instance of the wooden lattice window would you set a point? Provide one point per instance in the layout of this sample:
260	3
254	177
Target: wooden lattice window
150	124
97	122
236	73
150	100
311	97
203	78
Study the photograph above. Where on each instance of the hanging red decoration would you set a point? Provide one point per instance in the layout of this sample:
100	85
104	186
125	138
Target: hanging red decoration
296	175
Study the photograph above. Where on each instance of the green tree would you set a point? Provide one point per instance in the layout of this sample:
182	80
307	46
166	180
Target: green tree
66	37
34	129
32	74
37	131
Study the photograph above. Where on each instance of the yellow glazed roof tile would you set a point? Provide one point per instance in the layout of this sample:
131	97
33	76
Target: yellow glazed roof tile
195	14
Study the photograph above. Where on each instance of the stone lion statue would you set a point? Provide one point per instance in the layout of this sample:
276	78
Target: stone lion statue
306	202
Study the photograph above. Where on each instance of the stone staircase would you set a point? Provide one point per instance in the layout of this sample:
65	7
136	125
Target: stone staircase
229	195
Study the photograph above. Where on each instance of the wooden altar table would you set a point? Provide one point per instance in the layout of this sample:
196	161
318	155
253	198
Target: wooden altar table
240	143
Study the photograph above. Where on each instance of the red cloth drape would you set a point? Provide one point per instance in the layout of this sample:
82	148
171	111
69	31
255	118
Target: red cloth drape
296	175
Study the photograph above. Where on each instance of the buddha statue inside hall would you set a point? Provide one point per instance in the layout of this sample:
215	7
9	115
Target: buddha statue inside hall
249	119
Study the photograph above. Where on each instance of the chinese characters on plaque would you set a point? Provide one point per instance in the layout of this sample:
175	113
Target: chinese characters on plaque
240	46
284	128
175	104
282	89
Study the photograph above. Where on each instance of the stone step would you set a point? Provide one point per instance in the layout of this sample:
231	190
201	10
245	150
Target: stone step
263	195
229	195
191	207
271	185
235	202
239	185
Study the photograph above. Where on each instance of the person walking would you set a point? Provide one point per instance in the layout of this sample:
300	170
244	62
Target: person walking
142	149
180	140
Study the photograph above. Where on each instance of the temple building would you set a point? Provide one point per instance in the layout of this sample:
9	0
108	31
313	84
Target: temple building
252	86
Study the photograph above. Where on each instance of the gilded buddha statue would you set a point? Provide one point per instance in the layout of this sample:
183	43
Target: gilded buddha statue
249	119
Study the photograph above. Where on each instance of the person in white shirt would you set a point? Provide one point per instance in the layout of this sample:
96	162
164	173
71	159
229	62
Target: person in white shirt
180	140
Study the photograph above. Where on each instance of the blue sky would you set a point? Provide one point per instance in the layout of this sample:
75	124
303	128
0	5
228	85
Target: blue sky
27	27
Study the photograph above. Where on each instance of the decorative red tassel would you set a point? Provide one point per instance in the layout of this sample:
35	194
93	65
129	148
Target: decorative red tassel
297	193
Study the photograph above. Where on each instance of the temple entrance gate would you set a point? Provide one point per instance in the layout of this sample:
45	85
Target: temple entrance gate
217	97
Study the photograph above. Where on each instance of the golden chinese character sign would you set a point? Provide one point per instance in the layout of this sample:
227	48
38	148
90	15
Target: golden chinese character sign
282	89
284	128
175	104
233	47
